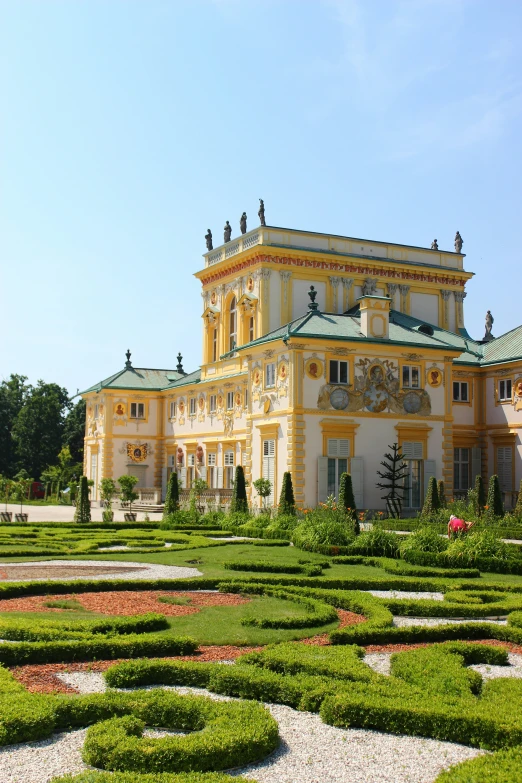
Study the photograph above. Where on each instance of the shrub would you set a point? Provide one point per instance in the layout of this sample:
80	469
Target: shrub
441	492
477	545
480	494
425	539
517	512
377	542
287	500
239	501
495	505
431	501
500	767
323	527
172	496
127	494
82	513
347	499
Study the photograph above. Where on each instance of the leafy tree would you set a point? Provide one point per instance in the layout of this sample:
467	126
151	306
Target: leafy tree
127	494
431	501
74	430
6	487
38	429
172	497
13	394
395	480
239	501
21	487
107	492
495	504
287	499
83	504
263	488
480	491
199	485
441	491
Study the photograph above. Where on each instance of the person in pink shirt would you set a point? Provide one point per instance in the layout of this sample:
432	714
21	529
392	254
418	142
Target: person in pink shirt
458	526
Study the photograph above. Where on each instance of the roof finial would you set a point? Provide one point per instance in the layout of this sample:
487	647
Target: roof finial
128	364
312	293
179	368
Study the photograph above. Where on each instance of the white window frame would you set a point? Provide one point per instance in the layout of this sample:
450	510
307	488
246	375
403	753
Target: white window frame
408	371
251	329
211	469
214	344
232	335
230	401
193	406
173	408
505	390
229	459
270	375
341	370
269	465
139	410
458	386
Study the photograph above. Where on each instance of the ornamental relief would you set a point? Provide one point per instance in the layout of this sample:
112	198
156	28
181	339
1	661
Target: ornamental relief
376	389
517	394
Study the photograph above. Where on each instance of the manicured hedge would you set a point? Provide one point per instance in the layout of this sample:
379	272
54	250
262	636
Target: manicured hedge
505	766
93	776
311	569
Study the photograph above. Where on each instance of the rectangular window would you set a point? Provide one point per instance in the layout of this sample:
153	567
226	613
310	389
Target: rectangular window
214	345
172	410
411	376
137	410
94	473
505	468
212	403
228	461
338	453
251	329
270	375
505	389
246	398
193	406
338	372
96	411
269	467
211	470
230	401
460	391
412	454
191	460
461	469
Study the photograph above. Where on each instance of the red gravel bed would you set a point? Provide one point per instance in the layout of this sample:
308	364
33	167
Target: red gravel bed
392	648
126	602
345	619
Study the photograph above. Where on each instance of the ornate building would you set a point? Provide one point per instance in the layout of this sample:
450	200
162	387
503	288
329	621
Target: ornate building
318	352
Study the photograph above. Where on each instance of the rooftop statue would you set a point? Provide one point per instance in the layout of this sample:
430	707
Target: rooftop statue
227	232
243	223
458	242
489	326
261	212
208	239
434	245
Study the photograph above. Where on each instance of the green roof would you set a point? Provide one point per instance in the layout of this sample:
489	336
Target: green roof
505	348
137	378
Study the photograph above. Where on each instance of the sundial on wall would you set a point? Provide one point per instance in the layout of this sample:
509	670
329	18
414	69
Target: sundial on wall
339	399
412	403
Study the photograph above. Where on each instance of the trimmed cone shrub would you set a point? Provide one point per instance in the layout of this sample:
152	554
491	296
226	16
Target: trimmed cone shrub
347	498
83	504
239	501
287	500
495	505
441	493
480	490
172	496
518	508
431	501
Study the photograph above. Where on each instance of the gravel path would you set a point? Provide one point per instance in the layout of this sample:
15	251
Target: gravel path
405	594
492	672
146	570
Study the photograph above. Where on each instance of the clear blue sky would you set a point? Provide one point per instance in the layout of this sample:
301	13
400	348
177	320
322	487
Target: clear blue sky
128	127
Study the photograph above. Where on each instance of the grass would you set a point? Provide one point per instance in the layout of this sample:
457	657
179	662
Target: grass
171	599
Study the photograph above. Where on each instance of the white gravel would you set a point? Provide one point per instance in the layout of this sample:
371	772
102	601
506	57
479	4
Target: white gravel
406	595
310	751
379	662
492	672
405	622
147	570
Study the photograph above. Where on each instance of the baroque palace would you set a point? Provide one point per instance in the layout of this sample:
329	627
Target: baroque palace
318	352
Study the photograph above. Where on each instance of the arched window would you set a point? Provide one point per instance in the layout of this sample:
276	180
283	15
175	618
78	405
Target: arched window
232	333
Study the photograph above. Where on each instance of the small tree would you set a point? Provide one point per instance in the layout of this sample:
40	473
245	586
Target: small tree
441	492
480	494
495	505
5	488
263	488
127	494
82	513
198	487
239	501
286	499
172	496
347	500
518	508
431	501
107	492
395	480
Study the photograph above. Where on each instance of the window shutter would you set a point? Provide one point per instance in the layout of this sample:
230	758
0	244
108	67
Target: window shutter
219	478
412	450
476	464
203	473
338	447
356	470
170	460
504	465
163	483
430	469
183	477
322	479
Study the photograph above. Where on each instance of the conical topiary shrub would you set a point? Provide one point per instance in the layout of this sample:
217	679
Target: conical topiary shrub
441	492
172	496
431	501
239	501
83	504
286	499
480	492
518	508
495	505
347	500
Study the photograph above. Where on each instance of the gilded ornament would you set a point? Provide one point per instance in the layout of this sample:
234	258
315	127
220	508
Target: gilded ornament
136	452
434	376
314	368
